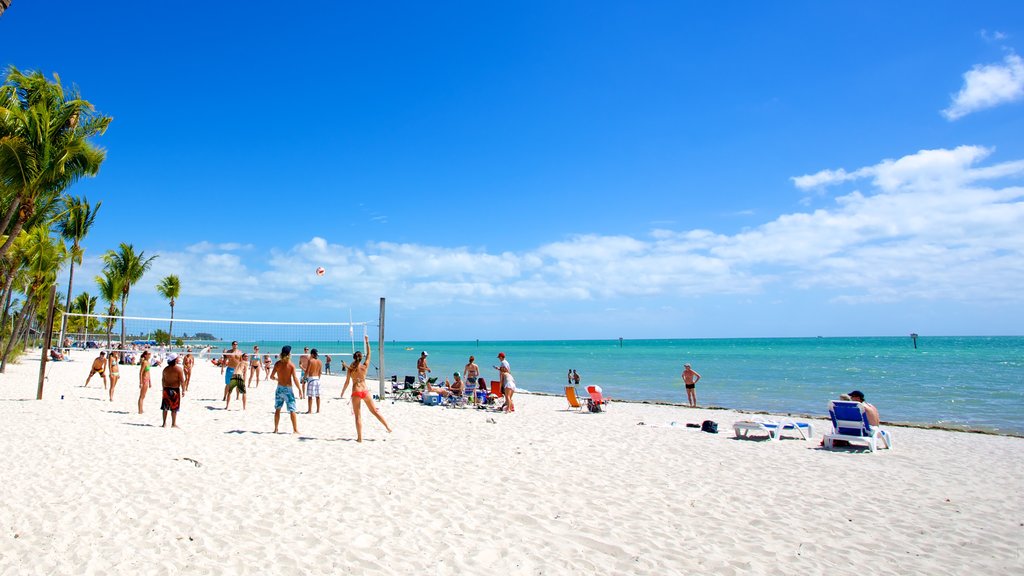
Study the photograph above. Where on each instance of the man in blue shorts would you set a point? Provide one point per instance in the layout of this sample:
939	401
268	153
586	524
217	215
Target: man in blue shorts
284	373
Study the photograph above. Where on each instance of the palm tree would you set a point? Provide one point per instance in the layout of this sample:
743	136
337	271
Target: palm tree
74	226
128	268
42	259
170	288
84	303
110	291
44	147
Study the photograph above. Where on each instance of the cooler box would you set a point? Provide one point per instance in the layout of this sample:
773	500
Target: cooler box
432	399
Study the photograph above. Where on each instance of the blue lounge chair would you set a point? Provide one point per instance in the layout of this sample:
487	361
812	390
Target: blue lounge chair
850	423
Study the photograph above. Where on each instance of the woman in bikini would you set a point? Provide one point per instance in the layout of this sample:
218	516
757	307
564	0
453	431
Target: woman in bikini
255	366
356	374
115	374
143	377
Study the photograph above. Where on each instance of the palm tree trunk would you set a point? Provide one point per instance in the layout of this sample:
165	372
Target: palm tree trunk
124	301
10	214
67	304
7	300
170	329
19	321
18	225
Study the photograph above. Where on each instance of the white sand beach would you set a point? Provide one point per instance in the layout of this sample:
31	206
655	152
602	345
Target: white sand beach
92	487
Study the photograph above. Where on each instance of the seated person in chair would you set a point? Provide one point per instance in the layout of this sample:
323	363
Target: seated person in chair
442	390
458	387
872	412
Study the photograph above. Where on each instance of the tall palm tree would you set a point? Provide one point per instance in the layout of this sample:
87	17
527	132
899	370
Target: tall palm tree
42	258
44	146
170	288
84	303
73	227
128	267
110	291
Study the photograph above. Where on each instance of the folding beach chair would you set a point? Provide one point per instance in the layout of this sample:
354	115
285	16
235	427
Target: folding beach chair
495	392
597	401
470	392
408	390
850	423
573	398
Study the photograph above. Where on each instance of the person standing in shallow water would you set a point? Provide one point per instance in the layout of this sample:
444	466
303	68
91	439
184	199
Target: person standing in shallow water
690	379
356	374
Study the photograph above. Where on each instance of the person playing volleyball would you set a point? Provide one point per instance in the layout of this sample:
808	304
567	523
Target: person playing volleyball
356	374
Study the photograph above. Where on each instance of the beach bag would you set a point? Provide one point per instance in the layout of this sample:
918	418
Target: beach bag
593	406
709	426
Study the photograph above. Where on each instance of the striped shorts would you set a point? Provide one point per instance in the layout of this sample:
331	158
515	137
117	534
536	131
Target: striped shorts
313	388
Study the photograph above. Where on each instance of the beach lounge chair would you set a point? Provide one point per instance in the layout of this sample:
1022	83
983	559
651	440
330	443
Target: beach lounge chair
773	428
756	426
850	423
573	398
597	400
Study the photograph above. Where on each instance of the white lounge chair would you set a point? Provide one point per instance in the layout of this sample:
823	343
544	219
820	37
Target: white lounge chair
773	428
850	423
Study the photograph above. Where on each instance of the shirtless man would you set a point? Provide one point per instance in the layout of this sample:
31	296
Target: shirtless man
229	363
303	362
872	412
313	370
421	367
284	373
690	379
173	381
186	365
356	374
99	366
237	382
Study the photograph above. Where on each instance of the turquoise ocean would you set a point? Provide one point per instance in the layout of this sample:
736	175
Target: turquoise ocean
960	382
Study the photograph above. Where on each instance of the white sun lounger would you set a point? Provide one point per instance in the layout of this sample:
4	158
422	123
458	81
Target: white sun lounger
774	429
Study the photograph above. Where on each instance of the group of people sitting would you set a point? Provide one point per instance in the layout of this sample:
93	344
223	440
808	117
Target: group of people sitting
472	389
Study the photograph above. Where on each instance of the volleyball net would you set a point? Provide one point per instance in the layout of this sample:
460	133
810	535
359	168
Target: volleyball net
206	338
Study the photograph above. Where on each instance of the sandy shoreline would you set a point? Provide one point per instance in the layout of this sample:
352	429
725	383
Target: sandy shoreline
94	487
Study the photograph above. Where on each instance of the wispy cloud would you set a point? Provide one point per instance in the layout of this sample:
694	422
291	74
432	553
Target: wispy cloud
987	86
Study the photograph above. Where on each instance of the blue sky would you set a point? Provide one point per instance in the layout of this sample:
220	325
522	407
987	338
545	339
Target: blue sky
558	169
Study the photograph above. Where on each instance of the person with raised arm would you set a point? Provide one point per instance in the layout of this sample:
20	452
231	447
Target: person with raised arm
356	375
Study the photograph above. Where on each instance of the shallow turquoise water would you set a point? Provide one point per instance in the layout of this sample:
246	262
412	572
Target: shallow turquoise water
958	381
975	382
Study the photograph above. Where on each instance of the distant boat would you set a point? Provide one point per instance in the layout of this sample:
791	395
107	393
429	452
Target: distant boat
409	348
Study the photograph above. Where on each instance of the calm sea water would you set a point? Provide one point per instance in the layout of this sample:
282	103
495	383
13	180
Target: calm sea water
966	382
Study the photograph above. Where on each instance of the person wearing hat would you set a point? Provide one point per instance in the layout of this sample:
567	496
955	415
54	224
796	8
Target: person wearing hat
690	379
872	412
457	386
508	382
421	367
173	379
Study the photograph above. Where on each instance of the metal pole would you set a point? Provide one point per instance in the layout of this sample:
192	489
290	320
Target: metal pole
46	341
380	348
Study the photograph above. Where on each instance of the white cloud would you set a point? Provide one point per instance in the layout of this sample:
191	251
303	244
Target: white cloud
925	226
987	86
